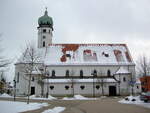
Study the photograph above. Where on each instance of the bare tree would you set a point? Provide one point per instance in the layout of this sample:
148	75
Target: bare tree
143	66
30	60
40	79
3	61
72	81
101	82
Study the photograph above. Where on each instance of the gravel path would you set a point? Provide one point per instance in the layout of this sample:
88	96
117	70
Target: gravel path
106	105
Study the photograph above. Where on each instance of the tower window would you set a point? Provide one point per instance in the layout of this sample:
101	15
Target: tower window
44	30
44	37
67	73
43	43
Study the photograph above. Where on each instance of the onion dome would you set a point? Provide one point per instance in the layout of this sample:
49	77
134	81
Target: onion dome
45	20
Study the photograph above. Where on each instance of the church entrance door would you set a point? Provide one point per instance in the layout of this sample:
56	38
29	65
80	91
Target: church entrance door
32	90
112	90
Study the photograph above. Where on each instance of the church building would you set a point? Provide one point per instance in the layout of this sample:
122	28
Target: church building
69	69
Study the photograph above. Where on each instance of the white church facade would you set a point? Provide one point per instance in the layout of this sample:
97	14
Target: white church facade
69	69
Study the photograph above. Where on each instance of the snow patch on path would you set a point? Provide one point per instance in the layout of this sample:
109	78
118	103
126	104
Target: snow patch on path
136	102
55	110
78	97
15	107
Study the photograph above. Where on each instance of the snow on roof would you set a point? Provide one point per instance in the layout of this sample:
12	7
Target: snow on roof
64	54
86	54
108	80
122	70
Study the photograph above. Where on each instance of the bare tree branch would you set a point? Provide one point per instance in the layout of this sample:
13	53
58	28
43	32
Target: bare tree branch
143	66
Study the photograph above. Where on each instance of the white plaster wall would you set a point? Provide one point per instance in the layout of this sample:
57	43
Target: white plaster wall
59	89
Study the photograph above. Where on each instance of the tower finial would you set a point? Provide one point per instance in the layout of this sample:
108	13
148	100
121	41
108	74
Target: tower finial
46	12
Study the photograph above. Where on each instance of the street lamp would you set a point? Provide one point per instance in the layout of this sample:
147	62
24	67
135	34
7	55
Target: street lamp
94	74
119	84
41	78
14	89
47	73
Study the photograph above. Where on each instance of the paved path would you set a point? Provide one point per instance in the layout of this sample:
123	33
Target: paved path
106	105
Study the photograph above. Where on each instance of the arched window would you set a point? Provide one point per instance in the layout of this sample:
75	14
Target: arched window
67	73
108	73
53	73
43	43
95	73
81	73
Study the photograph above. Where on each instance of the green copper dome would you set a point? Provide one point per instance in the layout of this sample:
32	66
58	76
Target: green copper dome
45	20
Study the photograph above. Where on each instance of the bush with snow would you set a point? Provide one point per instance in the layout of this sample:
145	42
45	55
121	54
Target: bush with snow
134	100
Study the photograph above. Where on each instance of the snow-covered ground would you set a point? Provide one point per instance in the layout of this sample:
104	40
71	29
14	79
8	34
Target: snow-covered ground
38	98
136	101
31	97
78	97
15	107
4	95
54	110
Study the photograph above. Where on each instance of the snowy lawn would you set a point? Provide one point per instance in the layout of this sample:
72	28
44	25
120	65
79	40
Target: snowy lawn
15	107
78	97
134	100
55	110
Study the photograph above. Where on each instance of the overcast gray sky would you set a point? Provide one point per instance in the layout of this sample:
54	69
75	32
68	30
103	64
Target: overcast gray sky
77	21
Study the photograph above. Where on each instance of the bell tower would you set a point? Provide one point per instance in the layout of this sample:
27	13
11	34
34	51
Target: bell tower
45	30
